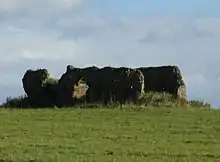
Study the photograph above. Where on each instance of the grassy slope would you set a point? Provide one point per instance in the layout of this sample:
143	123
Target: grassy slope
110	135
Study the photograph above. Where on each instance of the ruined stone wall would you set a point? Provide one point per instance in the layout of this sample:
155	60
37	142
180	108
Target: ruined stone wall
95	85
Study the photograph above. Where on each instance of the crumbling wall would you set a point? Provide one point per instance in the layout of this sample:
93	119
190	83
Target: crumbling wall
40	88
164	79
100	85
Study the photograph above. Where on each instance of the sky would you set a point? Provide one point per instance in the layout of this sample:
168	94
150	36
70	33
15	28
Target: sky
54	33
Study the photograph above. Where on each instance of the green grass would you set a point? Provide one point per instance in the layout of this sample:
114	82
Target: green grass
107	135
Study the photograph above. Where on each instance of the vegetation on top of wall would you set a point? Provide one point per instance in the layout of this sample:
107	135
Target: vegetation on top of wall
150	99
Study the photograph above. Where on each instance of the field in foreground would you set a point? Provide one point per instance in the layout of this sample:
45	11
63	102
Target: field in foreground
101	135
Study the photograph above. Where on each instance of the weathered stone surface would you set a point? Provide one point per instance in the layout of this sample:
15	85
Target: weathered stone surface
95	85
75	85
164	79
103	84
40	87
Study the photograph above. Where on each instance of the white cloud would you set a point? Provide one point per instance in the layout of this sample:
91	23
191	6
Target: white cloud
13	29
31	45
40	10
40	5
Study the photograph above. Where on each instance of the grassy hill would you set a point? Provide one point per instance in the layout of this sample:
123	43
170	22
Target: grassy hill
101	135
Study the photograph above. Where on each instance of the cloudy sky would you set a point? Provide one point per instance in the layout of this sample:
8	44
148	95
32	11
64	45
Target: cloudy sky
53	33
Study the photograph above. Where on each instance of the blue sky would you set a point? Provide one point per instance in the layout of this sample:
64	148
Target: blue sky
168	7
51	34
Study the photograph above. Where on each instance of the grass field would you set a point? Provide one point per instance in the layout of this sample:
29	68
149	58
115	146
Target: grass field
107	135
